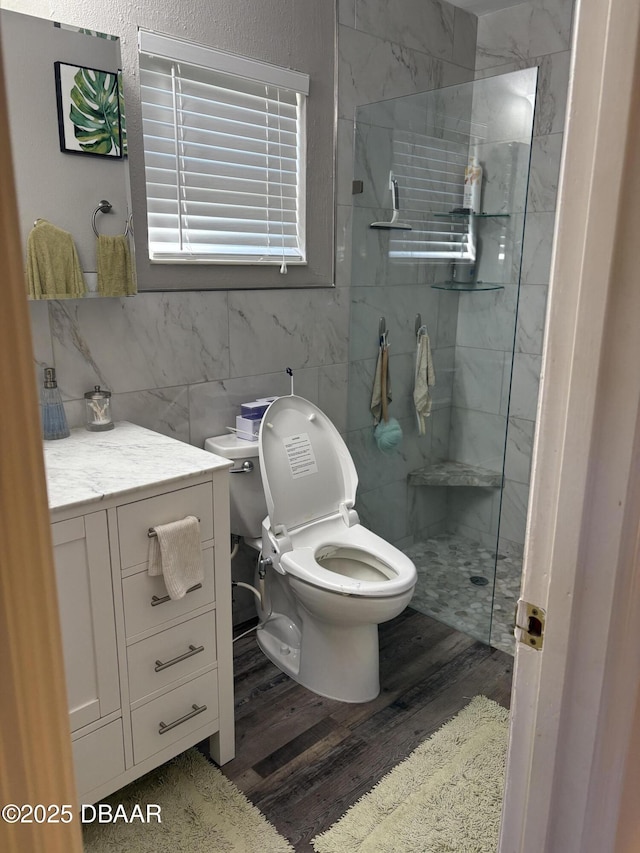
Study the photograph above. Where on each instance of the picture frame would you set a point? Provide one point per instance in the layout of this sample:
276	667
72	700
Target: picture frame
89	118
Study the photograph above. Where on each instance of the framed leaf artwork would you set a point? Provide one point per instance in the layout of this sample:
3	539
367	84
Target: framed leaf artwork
89	120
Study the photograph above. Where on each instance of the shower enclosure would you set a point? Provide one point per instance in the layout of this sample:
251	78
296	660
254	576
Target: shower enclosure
453	268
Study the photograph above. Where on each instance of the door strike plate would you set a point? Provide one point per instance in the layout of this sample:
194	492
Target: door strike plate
530	623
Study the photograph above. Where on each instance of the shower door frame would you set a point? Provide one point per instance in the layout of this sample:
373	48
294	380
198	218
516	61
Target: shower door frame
571	780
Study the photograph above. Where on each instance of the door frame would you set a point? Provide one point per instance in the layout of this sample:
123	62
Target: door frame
573	702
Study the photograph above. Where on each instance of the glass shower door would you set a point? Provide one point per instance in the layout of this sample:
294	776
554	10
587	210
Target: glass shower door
447	264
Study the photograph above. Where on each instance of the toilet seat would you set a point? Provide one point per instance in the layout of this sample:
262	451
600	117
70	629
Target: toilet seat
307	471
310	485
333	539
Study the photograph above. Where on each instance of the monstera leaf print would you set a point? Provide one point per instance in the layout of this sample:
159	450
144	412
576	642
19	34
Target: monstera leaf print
94	111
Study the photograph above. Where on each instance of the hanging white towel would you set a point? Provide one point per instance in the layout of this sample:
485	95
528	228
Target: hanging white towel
376	392
175	553
425	377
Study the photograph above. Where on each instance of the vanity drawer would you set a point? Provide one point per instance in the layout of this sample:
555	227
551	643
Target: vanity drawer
182	711
165	657
146	602
135	519
98	757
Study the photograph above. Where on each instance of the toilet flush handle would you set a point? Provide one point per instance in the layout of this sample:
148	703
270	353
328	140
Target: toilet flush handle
245	468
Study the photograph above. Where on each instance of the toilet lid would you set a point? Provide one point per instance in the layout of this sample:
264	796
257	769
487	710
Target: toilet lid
307	471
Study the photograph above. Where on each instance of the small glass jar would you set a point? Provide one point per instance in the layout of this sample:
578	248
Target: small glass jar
97	405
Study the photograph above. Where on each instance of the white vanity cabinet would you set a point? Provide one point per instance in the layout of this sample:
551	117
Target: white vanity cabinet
147	677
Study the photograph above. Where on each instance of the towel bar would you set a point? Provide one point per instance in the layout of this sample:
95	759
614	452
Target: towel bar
152	532
105	207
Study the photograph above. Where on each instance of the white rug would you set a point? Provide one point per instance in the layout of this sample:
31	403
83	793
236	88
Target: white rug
446	797
201	810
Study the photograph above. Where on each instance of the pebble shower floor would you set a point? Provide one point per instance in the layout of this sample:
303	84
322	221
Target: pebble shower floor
445	564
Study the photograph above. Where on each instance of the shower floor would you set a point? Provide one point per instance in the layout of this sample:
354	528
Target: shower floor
445	564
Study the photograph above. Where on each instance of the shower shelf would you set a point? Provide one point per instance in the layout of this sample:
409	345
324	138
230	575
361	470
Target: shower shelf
450	473
467	288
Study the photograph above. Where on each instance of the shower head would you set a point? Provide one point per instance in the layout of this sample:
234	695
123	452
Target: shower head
395	223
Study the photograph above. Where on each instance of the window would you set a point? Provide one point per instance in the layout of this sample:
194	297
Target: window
224	148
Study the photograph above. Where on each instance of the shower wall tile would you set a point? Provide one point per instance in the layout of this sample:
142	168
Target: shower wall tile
477	438
524	389
478	379
523	32
344	165
447	324
332	393
213	406
439	428
386	511
464	38
538	244
487	320
427	507
165	410
347	12
361	374
373	161
519	450
551	96
270	331
399	306
371	262
41	338
421	25
545	169
344	225
372	69
513	517
531	318
377	468
473	508
153	340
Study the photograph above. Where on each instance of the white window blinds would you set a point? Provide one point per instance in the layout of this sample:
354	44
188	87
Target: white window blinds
430	174
224	147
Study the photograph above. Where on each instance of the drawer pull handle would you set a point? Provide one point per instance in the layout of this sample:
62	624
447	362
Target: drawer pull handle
155	601
166	727
193	650
151	532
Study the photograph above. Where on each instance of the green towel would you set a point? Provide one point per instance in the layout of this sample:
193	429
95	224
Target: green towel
53	268
115	272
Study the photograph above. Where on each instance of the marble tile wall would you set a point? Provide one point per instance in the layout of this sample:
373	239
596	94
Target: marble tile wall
388	51
181	363
537	33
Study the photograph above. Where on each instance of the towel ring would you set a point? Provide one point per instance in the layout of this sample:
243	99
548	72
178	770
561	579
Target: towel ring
105	207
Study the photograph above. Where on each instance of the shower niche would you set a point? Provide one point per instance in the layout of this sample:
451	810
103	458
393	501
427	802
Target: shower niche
440	496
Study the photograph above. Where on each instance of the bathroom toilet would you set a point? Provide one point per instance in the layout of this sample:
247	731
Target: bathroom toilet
328	581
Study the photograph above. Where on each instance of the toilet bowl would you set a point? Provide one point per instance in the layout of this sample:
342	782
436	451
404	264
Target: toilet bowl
329	581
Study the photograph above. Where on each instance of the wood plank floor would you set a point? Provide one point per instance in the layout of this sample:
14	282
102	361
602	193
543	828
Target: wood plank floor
303	760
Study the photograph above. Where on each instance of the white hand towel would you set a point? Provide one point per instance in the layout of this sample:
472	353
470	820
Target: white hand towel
424	378
175	553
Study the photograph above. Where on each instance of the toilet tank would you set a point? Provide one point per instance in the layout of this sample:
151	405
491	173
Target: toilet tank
247	502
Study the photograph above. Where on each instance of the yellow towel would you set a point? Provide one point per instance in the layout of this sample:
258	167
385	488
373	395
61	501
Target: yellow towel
115	272
376	391
53	268
425	376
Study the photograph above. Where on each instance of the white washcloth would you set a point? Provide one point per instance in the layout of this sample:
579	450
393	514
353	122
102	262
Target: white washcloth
424	378
376	392
175	553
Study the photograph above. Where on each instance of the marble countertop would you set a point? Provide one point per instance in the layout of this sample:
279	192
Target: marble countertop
91	466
